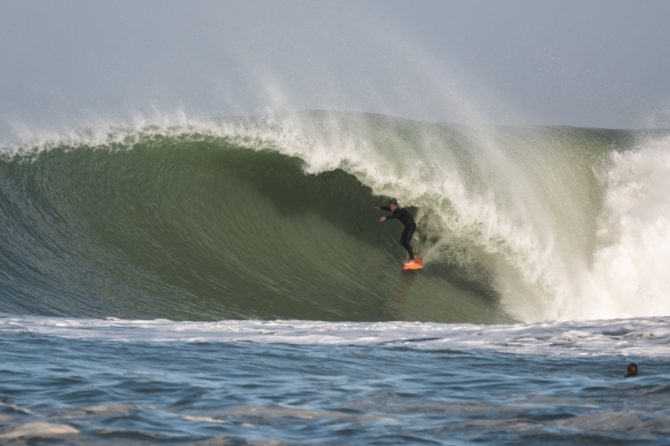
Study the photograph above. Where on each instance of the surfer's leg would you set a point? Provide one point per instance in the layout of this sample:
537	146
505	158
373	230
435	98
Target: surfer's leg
406	240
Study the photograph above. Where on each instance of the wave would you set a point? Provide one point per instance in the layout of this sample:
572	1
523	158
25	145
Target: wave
273	217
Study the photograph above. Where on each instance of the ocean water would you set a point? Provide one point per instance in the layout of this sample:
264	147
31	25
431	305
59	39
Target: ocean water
308	382
225	281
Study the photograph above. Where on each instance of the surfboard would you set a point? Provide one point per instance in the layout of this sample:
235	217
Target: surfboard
417	264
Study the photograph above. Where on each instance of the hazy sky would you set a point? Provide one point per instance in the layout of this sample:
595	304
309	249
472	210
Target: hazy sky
587	63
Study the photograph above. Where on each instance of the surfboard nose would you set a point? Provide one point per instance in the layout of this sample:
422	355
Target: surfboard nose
415	264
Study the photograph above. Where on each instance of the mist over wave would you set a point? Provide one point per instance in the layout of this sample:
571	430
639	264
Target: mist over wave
272	217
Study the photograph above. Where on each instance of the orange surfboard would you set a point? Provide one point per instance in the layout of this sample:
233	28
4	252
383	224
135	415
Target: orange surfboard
416	264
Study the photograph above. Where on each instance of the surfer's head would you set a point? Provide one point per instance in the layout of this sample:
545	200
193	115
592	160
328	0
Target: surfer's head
631	370
393	204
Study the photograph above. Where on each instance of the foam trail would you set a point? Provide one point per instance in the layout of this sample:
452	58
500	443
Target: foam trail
643	337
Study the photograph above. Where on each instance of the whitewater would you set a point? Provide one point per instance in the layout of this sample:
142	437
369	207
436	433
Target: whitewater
188	280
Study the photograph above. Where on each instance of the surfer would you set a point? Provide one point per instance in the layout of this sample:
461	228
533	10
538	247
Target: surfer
406	219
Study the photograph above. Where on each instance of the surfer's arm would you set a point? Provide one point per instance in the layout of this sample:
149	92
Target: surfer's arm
386	208
387	217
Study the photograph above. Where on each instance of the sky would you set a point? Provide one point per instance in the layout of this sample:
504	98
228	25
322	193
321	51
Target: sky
589	63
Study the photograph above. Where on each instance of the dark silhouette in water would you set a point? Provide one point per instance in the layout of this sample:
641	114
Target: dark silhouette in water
632	370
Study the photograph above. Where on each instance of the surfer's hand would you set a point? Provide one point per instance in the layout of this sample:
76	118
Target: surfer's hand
381	219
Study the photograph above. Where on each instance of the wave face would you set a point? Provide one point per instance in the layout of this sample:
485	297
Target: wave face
274	218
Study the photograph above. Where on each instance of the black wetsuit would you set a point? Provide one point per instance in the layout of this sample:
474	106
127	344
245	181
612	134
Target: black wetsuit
410	226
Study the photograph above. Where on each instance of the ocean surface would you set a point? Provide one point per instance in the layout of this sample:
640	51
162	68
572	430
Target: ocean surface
226	281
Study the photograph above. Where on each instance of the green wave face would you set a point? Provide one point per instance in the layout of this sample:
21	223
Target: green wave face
275	219
186	228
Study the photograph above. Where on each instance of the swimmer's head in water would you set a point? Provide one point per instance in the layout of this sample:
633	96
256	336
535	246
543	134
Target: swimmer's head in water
631	370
